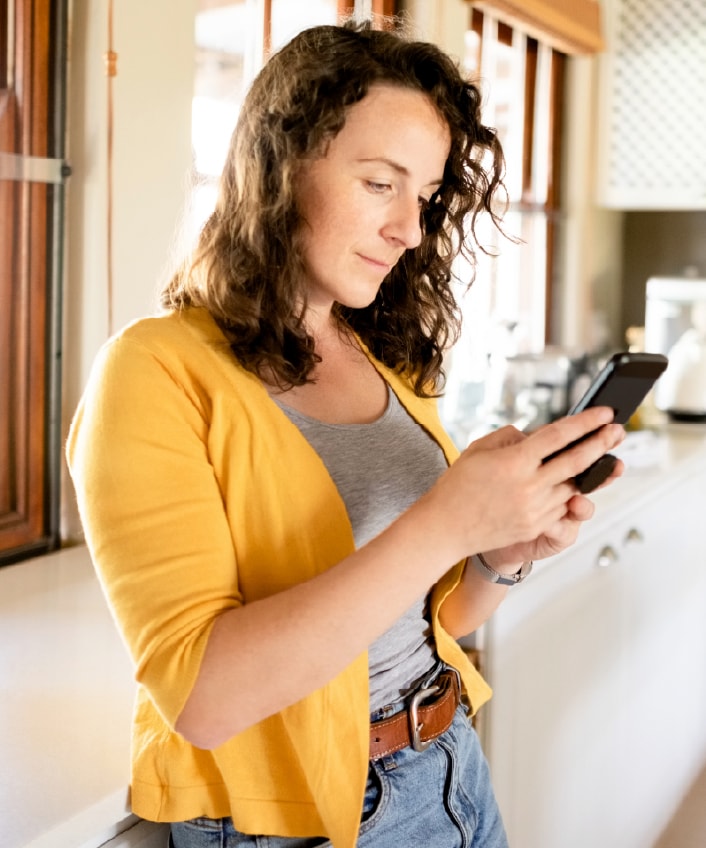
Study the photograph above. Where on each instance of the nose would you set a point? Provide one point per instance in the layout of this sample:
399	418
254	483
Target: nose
404	224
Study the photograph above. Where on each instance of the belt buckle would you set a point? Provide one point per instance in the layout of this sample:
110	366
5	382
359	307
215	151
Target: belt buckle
415	726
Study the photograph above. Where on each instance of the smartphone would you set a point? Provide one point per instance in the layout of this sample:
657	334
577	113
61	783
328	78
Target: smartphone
622	384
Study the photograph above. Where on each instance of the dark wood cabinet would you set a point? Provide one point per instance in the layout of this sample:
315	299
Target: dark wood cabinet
32	175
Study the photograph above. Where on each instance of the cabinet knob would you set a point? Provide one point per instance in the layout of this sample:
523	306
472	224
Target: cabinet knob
607	556
633	535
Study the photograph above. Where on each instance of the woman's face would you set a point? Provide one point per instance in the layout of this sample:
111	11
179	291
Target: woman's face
361	202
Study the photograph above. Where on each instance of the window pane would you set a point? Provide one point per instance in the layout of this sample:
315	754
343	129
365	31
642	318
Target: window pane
504	313
230	39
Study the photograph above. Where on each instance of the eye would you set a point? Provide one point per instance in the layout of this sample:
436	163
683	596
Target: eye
377	188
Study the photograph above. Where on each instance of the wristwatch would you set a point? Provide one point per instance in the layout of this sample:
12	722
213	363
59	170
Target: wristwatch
495	577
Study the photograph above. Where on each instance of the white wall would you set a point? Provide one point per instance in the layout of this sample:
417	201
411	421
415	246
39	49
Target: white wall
154	41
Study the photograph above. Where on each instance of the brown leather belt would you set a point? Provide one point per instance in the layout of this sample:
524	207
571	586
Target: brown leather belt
418	725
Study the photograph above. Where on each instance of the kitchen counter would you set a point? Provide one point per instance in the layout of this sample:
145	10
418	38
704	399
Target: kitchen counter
66	693
651	457
66	686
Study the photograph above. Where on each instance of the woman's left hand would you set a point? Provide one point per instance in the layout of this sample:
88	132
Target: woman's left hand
475	599
559	537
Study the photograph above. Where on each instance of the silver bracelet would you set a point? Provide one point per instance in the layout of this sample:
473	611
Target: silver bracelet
494	576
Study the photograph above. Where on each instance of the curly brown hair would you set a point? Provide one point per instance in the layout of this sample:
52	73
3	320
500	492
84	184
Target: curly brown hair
247	267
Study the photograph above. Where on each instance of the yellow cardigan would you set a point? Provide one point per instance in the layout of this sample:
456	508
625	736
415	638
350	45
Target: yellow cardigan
197	495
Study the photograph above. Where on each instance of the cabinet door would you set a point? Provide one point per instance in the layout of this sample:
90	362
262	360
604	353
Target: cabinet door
652	136
32	67
664	746
559	678
596	728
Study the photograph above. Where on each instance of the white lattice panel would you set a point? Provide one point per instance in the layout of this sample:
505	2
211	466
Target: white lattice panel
654	104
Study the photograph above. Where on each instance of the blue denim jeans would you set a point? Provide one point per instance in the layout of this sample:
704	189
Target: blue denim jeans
441	797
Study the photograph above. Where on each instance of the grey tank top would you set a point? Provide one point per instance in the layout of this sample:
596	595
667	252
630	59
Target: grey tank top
380	469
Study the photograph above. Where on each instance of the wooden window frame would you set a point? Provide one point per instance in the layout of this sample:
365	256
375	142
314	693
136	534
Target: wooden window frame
551	205
569	26
386	8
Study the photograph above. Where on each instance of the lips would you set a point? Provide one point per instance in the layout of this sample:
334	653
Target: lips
382	265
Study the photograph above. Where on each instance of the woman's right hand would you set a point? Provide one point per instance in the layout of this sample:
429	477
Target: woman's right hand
500	492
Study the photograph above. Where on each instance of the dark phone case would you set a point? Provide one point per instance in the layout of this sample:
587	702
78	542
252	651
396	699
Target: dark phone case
646	367
636	373
595	474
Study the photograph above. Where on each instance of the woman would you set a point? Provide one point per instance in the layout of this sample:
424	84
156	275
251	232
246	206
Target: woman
285	534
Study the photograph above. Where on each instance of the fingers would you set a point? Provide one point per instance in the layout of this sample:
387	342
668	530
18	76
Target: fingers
500	493
539	508
580	508
563	432
572	444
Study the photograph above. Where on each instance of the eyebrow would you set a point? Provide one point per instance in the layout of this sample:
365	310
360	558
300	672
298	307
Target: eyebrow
396	166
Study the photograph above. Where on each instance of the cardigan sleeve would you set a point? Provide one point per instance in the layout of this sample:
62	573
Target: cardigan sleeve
153	514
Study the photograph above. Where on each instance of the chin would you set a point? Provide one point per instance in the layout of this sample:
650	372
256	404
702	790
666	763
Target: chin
357	303
363	298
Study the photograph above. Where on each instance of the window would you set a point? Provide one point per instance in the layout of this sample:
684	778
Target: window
508	310
232	41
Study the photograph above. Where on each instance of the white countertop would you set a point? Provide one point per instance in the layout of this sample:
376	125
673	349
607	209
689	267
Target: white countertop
651	457
66	687
66	693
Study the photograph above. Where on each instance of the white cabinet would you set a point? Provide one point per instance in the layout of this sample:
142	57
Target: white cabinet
598	664
652	133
